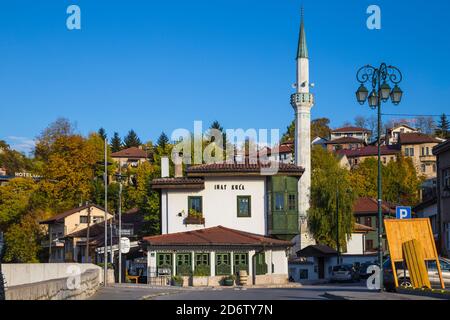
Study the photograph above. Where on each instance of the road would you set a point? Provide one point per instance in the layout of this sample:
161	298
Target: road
309	292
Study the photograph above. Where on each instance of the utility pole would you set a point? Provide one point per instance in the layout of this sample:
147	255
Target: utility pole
105	252
2	283
338	247
120	231
88	232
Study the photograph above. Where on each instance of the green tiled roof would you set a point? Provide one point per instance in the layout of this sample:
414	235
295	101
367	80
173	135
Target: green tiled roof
302	51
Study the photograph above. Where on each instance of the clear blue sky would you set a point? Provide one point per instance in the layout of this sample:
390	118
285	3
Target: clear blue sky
160	65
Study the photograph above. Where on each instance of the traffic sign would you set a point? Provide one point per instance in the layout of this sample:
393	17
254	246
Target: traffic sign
124	245
403	212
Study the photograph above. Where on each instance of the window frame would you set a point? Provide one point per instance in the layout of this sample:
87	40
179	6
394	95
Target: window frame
239	213
281	194
190	198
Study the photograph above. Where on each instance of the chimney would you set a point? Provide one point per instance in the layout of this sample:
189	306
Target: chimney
164	167
178	161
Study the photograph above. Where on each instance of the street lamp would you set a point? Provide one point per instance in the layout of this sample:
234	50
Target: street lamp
379	78
120	178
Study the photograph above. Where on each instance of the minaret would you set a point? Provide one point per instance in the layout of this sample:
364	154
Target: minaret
302	102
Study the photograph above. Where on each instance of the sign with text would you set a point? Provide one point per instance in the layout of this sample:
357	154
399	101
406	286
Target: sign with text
403	212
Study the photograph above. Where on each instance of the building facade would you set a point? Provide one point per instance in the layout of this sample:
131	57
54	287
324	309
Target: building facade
351	132
442	153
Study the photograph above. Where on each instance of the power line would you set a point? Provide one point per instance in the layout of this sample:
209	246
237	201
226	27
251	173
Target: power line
414	115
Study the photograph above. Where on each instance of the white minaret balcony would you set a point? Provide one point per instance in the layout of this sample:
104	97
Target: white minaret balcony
301	99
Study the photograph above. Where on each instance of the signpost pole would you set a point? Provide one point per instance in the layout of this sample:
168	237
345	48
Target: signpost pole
120	231
105	252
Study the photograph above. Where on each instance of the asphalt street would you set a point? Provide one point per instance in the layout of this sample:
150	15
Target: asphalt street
307	292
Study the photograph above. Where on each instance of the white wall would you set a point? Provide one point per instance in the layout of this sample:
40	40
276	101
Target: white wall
23	273
355	244
279	260
219	206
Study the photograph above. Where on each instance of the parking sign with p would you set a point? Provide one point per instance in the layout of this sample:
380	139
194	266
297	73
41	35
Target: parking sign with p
403	212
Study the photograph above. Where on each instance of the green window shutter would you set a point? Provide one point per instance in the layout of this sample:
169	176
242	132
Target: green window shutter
240	262
184	266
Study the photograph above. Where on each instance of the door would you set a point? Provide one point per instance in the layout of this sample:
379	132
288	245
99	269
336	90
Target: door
321	267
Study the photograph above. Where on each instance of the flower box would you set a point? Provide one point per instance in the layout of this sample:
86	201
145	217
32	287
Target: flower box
194	220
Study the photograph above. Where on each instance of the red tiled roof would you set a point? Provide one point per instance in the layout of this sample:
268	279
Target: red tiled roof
366	205
68	213
442	147
362	228
350	129
173	183
133	152
219	236
369	151
243	168
416	137
345	140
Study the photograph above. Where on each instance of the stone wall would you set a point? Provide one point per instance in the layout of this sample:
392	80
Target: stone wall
69	288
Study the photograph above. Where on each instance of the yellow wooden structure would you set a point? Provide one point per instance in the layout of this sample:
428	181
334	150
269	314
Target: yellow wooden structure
401	231
418	274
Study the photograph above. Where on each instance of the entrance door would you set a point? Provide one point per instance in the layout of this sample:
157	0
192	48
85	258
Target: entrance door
321	267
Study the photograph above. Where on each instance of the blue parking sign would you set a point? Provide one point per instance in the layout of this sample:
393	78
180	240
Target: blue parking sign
403	212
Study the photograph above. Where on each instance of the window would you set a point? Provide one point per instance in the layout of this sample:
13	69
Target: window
356	161
446	178
423	167
292	203
303	273
240	262
428	151
368	221
184	264
243	206
407	152
423	151
434	167
83	219
358	220
411	152
223	265
202	264
279	201
97	219
195	203
369	245
164	263
384	160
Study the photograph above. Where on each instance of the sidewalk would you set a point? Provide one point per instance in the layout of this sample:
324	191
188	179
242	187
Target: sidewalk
372	295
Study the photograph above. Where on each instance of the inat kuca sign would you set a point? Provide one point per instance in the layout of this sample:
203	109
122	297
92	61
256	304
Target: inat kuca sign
403	212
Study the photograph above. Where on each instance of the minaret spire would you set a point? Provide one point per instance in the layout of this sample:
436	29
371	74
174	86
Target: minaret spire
302	102
302	51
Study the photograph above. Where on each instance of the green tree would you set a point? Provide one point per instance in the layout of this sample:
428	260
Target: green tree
131	139
330	184
116	142
400	182
163	140
319	128
442	128
102	133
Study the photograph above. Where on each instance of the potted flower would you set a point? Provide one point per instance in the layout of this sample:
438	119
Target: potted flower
201	274
194	217
177	281
229	280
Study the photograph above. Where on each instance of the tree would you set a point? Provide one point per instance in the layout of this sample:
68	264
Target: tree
319	128
62	127
372	123
360	121
425	124
131	139
442	129
14	161
116	142
330	184
102	133
400	182
163	140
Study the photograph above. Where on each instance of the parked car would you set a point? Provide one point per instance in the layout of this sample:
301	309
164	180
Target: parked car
403	274
362	270
344	272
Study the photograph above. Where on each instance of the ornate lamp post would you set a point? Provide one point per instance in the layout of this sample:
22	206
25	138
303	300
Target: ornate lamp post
381	91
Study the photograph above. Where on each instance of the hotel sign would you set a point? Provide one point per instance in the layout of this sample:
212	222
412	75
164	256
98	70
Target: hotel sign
26	175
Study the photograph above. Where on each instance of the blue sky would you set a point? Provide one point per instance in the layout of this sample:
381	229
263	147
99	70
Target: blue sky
159	65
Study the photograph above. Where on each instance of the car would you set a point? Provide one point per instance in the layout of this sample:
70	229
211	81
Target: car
362	270
343	273
403	274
